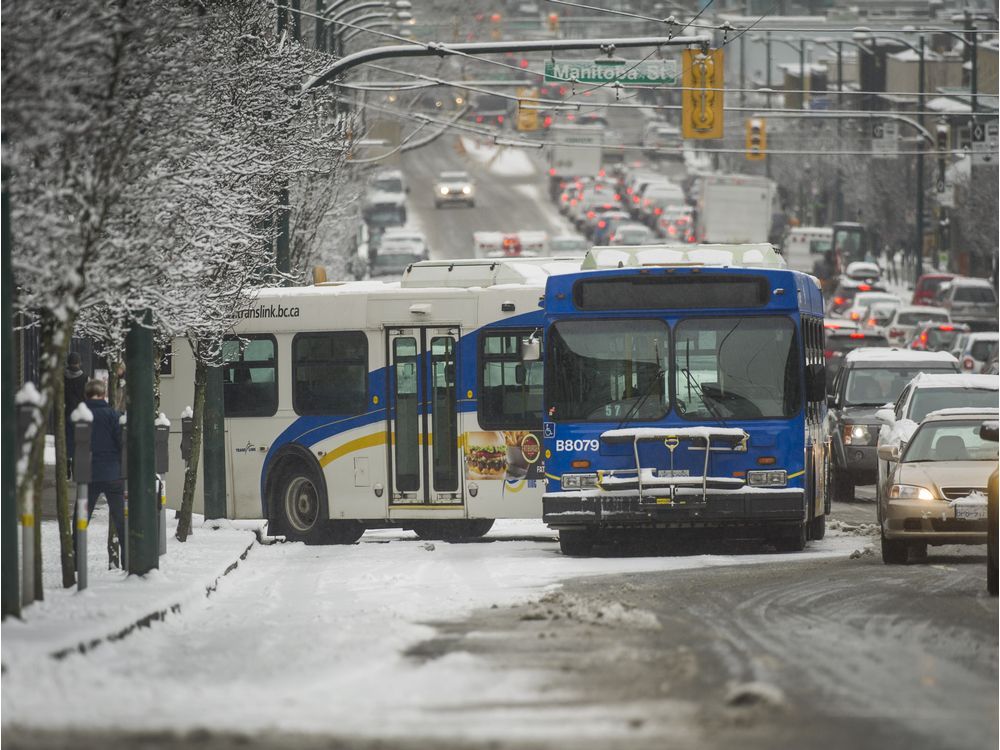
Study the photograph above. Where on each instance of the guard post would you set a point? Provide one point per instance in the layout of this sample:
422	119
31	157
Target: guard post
187	434
83	422
123	543
142	500
161	444
27	406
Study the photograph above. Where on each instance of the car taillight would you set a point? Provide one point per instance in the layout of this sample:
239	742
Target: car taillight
601	173
836	300
942	328
591	214
479	118
618	196
657	211
635	198
565	198
871	322
547	121
628	191
601	224
855	316
552	172
500	119
672	230
864	288
968	363
857	335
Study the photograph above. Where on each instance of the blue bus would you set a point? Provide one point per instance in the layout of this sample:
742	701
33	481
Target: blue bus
684	397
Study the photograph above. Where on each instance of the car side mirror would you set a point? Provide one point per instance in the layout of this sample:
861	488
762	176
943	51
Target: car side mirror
530	349
989	431
886	417
889	452
831	400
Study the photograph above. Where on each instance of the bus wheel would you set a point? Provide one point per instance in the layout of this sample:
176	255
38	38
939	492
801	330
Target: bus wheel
344	532
576	542
478	527
302	507
817	528
793	540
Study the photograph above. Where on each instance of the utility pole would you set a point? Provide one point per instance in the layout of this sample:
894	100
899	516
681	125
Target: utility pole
919	250
143	500
8	510
214	441
838	205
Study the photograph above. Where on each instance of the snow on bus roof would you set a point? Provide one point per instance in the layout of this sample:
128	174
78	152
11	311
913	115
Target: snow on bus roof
881	354
759	255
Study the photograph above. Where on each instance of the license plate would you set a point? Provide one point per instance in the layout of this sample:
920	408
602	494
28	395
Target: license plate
970	512
668	474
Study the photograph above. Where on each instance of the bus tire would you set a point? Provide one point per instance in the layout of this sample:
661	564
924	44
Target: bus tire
817	528
301	504
576	542
793	540
343	532
478	527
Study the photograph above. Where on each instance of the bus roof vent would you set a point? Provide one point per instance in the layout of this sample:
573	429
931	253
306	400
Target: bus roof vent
757	255
483	272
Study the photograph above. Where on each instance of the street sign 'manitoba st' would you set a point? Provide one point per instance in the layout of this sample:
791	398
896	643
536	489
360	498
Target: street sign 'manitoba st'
606	71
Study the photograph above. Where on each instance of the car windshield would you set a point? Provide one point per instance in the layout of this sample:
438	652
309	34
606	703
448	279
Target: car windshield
388	184
974	294
926	400
874	386
912	318
950	441
740	368
454	176
605	370
939	340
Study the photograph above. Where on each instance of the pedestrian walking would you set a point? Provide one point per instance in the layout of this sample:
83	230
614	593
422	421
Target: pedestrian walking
106	457
74	387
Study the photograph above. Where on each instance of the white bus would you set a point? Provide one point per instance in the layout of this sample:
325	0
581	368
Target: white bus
366	404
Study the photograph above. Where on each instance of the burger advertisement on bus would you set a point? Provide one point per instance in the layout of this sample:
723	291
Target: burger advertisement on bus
508	454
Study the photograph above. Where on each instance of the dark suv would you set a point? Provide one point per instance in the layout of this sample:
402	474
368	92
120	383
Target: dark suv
867	380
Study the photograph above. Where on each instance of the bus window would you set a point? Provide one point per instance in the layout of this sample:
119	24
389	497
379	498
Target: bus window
739	368
330	373
503	402
250	376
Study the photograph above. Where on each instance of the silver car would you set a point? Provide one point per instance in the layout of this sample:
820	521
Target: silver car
454	187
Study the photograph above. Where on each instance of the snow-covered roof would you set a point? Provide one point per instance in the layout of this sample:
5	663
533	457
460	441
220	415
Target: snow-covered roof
984	336
921	309
970	281
947	104
758	255
888	356
794	68
963	411
956	380
909	55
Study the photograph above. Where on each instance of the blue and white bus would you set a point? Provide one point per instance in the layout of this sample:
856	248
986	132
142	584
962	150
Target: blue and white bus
685	395
369	404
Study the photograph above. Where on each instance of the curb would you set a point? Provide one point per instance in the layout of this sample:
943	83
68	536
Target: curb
158	615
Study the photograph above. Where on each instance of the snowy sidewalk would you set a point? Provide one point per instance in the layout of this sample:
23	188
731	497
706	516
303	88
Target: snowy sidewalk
115	604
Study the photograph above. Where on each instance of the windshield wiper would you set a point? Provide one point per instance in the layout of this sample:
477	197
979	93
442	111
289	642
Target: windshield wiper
647	391
706	400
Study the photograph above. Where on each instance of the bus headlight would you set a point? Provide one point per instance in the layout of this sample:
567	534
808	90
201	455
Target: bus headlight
858	434
778	478
466	190
444	190
578	481
909	492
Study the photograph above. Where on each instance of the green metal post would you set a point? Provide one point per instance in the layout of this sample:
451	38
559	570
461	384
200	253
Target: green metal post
918	265
214	436
9	569
143	511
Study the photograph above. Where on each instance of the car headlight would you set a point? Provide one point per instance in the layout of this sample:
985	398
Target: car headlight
909	492
444	190
466	190
777	478
578	481
859	434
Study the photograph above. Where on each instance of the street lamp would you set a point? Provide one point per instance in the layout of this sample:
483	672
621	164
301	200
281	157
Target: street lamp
800	48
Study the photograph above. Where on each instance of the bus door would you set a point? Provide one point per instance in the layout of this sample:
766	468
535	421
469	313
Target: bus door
423	454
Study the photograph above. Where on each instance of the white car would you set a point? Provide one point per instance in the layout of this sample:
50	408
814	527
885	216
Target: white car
401	238
454	187
929	392
900	328
569	244
974	350
864	300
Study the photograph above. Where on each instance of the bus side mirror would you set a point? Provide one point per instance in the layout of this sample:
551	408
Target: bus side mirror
815	383
530	350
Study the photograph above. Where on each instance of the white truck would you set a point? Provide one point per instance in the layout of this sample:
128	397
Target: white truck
576	152
734	209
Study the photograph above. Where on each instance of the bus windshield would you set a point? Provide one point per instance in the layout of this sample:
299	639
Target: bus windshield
736	368
606	370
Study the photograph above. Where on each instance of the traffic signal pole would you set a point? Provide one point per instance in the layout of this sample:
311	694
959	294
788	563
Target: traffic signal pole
437	49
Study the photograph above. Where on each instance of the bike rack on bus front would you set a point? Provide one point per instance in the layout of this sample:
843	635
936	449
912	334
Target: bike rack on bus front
727	438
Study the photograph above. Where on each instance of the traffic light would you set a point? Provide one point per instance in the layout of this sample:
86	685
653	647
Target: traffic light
756	139
943	144
702	79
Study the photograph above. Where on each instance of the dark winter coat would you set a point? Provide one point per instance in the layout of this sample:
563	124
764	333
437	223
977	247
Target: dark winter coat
105	442
75	381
